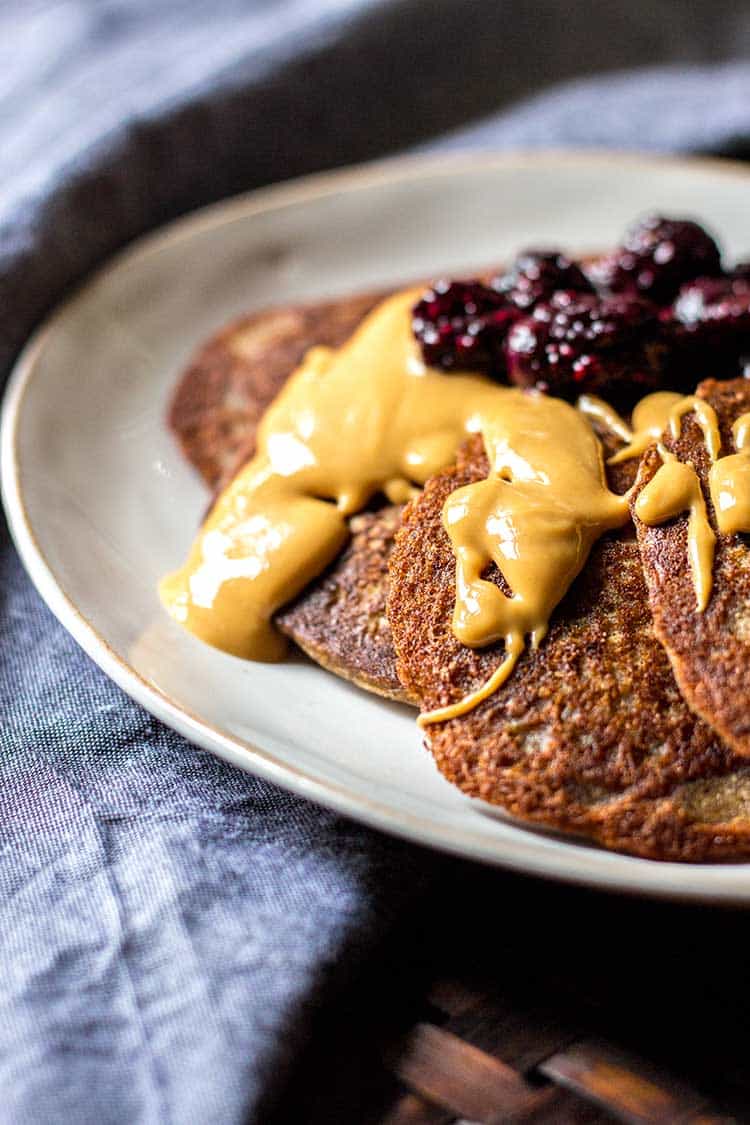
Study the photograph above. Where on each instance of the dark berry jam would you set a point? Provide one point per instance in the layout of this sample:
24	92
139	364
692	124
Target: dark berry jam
658	255
659	311
708	328
537	274
582	342
463	324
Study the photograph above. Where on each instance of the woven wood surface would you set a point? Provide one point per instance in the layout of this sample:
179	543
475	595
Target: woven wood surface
503	999
484	1065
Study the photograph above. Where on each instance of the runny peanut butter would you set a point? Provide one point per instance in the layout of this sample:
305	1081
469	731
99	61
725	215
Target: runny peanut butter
729	482
536	516
705	416
367	418
481	606
676	488
650	418
370	417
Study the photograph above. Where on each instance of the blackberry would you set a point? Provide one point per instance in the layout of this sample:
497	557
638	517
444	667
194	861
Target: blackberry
716	301
578	343
537	274
740	272
463	324
657	257
709	328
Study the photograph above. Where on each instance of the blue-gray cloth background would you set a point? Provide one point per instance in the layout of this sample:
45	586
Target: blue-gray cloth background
171	928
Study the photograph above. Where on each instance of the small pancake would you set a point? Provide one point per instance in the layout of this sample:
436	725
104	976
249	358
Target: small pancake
590	734
340	619
709	651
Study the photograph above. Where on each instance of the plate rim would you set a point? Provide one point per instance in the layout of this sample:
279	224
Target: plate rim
591	866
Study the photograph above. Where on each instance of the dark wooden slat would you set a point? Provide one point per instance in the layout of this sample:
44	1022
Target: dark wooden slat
522	1036
411	1109
634	1091
459	1077
453	996
569	1109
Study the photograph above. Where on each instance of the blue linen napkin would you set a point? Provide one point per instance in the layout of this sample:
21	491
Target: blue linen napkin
169	924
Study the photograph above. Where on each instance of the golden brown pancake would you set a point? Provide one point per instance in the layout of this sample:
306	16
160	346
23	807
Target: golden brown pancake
709	651
340	619
590	735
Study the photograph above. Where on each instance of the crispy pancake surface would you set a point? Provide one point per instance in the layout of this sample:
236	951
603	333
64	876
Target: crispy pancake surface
709	651
340	619
590	734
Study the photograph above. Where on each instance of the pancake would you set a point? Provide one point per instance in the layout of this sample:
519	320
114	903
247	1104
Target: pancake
590	735
340	619
709	651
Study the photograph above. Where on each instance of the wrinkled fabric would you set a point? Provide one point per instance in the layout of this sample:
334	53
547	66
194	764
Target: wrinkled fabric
167	920
169	923
701	110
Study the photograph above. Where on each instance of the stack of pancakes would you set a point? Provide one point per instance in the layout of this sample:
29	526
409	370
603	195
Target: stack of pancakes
629	725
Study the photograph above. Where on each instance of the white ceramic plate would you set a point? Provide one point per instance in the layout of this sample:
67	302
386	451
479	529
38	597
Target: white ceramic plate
101	504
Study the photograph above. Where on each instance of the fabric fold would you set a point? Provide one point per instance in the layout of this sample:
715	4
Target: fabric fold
169	921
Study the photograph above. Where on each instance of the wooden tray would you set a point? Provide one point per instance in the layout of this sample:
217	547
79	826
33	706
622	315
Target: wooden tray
501	999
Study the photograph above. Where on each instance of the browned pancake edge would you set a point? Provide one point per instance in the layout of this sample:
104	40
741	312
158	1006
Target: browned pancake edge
709	651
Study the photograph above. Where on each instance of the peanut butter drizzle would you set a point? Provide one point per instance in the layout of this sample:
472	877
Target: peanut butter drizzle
536	516
676	488
593	407
650	418
729	482
705	416
366	418
741	433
